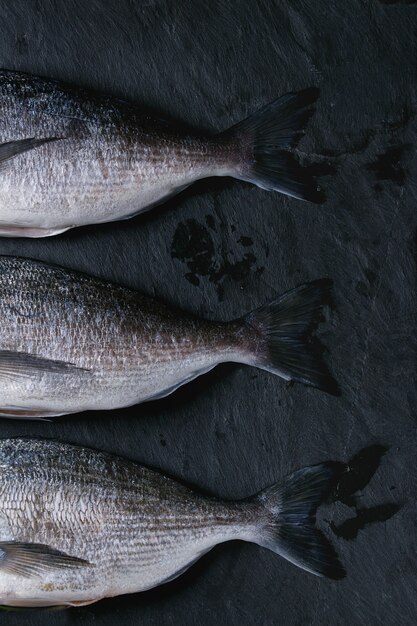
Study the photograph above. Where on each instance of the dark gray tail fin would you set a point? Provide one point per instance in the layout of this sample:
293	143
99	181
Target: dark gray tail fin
281	336
264	139
290	529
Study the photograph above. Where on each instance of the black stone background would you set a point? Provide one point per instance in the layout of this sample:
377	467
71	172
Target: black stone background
223	248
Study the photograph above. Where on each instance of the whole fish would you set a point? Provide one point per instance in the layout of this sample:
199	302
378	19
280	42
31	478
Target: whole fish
70	342
70	158
77	525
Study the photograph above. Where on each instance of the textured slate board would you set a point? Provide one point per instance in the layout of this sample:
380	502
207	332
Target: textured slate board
237	429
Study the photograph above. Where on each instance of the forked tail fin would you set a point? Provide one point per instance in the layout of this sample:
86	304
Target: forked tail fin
263	140
280	336
288	510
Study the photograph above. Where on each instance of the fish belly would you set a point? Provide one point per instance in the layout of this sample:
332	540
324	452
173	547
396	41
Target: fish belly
59	394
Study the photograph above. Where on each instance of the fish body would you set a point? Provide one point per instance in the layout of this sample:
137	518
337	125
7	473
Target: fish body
70	342
70	158
77	525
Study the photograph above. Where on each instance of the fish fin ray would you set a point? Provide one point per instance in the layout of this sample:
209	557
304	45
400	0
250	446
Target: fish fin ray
28	604
173	388
290	508
265	139
22	230
22	364
12	149
283	342
26	413
32	559
182	571
78	603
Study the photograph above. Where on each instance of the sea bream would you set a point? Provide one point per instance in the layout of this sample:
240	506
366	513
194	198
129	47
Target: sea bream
70	342
70	158
78	525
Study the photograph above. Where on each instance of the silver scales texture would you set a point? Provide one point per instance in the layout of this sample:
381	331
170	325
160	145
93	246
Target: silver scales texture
109	161
128	347
136	527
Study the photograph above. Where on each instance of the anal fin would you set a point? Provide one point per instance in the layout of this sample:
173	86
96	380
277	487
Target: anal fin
20	413
167	392
77	603
16	230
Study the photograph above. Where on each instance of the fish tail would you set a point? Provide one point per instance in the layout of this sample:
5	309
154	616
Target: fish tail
288	514
263	141
279	338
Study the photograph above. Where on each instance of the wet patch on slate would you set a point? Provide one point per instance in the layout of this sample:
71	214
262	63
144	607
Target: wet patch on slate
358	145
388	166
349	529
194	245
317	169
358	473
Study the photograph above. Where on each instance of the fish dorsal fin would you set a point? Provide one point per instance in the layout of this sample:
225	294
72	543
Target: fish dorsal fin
14	148
32	559
21	364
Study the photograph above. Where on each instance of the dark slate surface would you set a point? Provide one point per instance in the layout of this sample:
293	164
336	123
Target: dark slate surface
223	248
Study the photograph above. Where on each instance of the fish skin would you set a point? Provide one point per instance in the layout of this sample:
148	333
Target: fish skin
108	346
133	527
126	347
110	163
136	527
103	159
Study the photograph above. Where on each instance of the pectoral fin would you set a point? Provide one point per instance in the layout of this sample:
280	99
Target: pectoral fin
14	148
32	559
21	364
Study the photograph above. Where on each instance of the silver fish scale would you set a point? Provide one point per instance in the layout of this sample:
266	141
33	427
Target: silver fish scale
109	163
133	347
136	527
